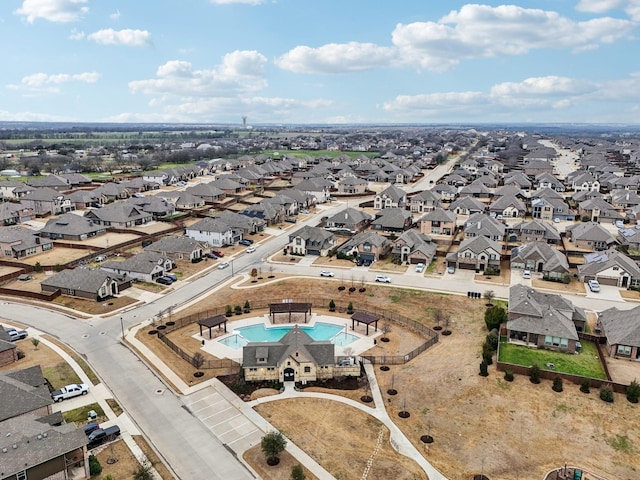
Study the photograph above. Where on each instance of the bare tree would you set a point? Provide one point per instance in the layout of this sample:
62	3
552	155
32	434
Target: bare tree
197	361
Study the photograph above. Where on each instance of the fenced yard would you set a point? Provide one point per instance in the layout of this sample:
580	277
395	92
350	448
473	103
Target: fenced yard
585	364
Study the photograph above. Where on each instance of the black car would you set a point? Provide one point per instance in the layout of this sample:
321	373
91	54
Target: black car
89	428
164	280
246	242
100	436
210	255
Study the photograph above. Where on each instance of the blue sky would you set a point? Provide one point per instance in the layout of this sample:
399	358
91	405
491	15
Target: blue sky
327	61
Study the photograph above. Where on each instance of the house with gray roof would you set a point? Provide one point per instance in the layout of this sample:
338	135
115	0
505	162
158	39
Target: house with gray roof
349	219
543	320
13	213
157	206
622	330
629	237
13	189
590	236
177	248
19	242
70	226
112	191
318	187
46	201
599	210
439	222
82	199
86	283
414	247
311	241
508	206
271	213
76	180
367	246
551	208
610	267
208	192
119	215
519	179
540	257
243	224
392	219
467	206
24	391
390	197
482	225
295	357
144	267
477	253
425	201
352	186
49	181
213	231
8	349
182	200
547	180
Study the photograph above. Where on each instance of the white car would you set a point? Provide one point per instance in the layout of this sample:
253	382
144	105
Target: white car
420	267
326	273
223	265
594	286
251	249
526	274
451	269
383	279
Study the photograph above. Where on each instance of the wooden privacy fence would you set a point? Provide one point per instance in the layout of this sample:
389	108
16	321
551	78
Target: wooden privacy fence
432	337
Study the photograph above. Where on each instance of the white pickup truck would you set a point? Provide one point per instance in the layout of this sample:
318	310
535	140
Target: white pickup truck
69	391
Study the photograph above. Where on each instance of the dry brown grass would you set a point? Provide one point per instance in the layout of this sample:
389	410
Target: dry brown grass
43	356
282	471
571	288
630	294
124	466
340	438
92	307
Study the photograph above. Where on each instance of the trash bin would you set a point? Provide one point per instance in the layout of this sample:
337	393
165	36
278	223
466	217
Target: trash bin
92	415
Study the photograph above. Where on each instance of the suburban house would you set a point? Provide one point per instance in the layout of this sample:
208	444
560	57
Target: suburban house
477	253
19	242
311	241
624	199
534	231
13	190
508	206
8	349
119	215
177	248
49	181
46	201
76	180
438	222
81	199
296	357
446	191
476	190
145	266
482	225
214	232
540	257
630	238
583	181
349	219
70	226
85	283
622	330
425	201
543	320
367	246
414	247
14	213
36	444
242	223
518	179
207	191
467	206
393	219
112	191
157	206
535	167
319	188
182	200
547	180
590	236
352	186
598	210
270	213
390	197
610	267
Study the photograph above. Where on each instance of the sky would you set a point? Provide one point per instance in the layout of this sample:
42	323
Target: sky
320	61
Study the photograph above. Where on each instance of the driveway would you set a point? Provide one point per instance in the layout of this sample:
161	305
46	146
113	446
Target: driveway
606	293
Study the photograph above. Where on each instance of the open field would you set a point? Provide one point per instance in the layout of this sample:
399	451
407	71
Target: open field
585	364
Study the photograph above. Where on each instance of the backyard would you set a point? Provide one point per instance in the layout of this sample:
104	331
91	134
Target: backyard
585	364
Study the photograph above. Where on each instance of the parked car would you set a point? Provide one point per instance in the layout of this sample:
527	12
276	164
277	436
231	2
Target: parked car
101	258
451	269
210	255
383	279
304	212
326	273
246	242
223	265
69	391
16	334
102	435
526	274
217	253
171	276
290	220
90	428
138	195
594	286
251	249
164	280
420	267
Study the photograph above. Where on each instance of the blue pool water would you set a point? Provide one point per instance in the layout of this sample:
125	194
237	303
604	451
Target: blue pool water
259	333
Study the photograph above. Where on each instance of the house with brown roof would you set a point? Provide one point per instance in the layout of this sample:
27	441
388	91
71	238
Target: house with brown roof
590	236
610	267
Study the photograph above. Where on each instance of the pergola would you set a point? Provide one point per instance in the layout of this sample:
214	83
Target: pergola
289	308
211	322
366	318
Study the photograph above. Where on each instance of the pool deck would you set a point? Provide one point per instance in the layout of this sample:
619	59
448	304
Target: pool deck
217	349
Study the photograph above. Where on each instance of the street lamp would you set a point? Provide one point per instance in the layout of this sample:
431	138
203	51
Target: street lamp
232	267
122	328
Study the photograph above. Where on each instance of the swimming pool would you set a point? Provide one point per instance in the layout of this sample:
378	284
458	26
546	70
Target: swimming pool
260	333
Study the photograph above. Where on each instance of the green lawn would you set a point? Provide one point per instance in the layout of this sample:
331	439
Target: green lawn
585	364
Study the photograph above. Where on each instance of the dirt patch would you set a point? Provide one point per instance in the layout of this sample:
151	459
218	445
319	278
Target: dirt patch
629	294
335	427
116	460
282	471
281	257
264	392
333	262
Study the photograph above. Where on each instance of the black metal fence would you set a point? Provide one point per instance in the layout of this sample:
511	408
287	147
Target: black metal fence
176	322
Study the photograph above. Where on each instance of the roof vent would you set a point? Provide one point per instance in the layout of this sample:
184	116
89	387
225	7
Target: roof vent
4	450
39	437
44	434
14	446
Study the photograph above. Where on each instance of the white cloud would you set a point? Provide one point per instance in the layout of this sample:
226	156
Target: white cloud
32	117
630	7
61	11
336	58
76	35
548	86
432	101
40	79
231	2
240	72
474	31
115	15
126	37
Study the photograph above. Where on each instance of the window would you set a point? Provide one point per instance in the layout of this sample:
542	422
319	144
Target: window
556	341
624	350
564	342
21	475
547	340
298	241
307	369
615	269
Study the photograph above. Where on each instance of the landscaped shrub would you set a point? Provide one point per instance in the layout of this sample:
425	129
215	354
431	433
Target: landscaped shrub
238	309
484	369
20	354
297	472
350	308
494	316
606	393
585	386
633	392
37	267
492	339
94	466
487	354
534	374
228	312
247	306
332	306
557	384
508	375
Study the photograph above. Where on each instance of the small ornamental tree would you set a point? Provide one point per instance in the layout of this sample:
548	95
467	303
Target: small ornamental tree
37	267
489	295
508	375
350	308
484	369
534	374
238	309
254	273
94	466
557	384
297	472
332	306
633	392
247	306
35	341
197	361
273	444
229	311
